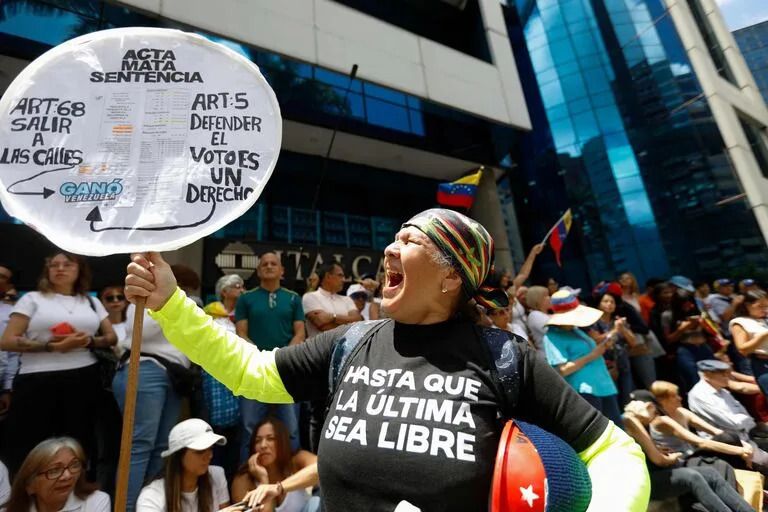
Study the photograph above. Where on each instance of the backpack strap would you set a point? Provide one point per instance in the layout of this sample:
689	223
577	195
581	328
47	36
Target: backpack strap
346	345
505	353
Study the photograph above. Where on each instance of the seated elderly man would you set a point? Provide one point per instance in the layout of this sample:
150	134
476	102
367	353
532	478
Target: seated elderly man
711	399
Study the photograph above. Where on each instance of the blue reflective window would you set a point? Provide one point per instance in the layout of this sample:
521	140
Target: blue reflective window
558	112
580	105
572	11
637	207
383	93
623	162
417	122
603	99
585	44
586	126
573	86
580	28
337	79
541	58
383	113
43	23
547	76
552	94
597	82
609	119
563	133
630	184
414	102
563	54
354	103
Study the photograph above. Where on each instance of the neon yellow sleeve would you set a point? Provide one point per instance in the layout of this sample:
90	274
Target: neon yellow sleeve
231	360
616	465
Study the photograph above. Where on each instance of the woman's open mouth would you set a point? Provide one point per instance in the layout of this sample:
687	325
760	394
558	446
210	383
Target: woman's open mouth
394	282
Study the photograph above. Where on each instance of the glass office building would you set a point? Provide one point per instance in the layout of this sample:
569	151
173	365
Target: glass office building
753	42
623	136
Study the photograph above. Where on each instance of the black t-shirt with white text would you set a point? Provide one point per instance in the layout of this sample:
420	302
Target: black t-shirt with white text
415	416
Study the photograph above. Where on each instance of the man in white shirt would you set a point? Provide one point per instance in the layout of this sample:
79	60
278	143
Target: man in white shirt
325	309
711	399
723	303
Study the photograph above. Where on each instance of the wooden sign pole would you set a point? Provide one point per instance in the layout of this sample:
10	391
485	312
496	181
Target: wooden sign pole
124	466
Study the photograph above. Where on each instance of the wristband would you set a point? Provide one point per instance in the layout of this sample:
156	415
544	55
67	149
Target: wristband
91	343
48	347
280	488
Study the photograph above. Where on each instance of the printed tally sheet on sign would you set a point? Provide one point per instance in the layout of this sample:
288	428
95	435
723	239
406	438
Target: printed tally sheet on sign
136	139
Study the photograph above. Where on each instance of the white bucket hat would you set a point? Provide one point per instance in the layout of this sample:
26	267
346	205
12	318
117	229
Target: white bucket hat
569	311
194	434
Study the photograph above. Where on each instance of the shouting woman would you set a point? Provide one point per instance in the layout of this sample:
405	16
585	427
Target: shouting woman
384	442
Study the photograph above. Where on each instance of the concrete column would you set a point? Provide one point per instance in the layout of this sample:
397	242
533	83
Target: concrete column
487	211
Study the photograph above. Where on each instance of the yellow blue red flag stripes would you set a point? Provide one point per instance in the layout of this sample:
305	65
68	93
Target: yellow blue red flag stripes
461	192
558	233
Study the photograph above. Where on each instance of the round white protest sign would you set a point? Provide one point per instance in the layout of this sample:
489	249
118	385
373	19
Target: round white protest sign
136	139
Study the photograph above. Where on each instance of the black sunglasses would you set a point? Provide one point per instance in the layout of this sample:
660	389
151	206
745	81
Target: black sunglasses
114	298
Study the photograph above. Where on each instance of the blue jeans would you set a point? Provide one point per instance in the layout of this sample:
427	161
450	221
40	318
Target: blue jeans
252	412
741	364
608	405
760	371
313	505
158	408
687	357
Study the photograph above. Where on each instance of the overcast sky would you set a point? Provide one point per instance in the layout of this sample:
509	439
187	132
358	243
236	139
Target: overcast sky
742	13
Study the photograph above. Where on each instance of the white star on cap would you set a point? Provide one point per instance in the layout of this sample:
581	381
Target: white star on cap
528	495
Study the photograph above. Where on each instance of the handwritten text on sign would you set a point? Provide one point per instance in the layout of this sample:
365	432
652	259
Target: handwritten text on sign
157	139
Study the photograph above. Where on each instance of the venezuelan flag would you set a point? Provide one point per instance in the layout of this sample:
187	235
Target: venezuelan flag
558	233
459	193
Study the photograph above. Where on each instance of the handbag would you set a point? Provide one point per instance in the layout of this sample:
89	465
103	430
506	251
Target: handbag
185	381
105	357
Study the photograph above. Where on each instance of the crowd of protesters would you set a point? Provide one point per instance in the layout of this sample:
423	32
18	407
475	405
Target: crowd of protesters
638	358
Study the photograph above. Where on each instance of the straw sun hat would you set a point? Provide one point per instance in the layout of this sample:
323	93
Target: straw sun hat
569	311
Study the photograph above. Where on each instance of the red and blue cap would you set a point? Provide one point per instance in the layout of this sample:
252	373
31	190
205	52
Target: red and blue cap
536	471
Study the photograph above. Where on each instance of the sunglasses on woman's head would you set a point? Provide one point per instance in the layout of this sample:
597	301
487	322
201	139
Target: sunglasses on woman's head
114	298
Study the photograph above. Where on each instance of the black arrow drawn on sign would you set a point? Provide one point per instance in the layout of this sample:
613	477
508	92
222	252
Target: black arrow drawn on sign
95	216
46	191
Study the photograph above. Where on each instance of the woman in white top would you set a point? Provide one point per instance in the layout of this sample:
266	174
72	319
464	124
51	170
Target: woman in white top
52	479
279	478
159	402
538	302
750	334
189	482
672	429
113	300
58	386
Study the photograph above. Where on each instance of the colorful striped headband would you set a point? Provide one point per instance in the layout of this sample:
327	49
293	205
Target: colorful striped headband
470	248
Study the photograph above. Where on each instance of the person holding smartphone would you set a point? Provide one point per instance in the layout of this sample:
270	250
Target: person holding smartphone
683	330
578	357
